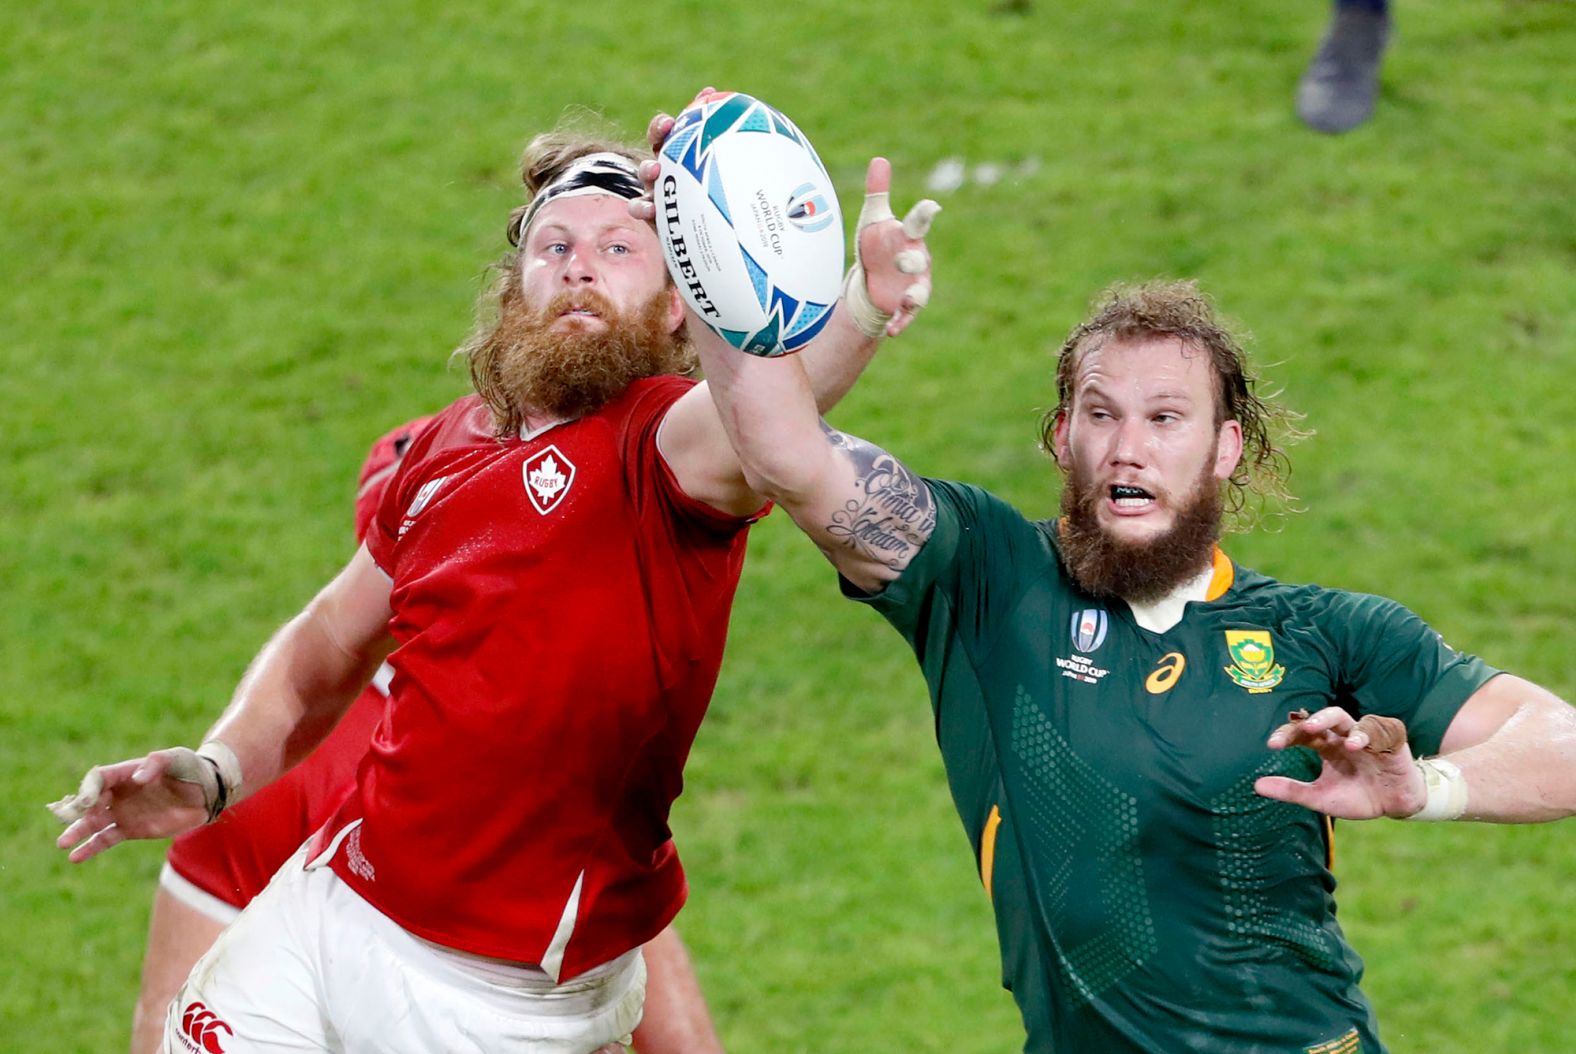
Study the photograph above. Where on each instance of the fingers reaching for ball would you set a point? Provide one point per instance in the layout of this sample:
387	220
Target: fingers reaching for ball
658	129
645	207
891	256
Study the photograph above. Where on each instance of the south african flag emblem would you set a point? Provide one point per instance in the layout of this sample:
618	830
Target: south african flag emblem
1252	654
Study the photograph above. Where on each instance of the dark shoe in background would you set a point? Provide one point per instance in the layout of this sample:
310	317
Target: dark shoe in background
1337	92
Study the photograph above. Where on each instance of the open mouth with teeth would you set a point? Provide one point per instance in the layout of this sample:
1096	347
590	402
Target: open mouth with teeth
1124	496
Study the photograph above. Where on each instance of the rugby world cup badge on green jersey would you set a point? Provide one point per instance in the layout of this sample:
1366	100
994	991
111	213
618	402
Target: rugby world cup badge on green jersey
749	224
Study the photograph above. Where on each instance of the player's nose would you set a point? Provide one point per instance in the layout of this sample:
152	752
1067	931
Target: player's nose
579	267
1128	442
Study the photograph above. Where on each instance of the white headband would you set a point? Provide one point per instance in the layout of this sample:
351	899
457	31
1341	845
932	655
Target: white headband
602	173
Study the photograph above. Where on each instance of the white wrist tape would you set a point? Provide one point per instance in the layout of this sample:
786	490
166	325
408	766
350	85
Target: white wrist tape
1447	791
871	320
227	772
214	768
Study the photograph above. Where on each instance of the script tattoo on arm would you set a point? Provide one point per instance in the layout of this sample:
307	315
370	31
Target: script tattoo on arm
893	515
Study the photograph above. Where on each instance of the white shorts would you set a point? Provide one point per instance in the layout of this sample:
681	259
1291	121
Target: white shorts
310	966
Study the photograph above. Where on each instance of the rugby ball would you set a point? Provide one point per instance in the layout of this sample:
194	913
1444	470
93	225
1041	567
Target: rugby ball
749	224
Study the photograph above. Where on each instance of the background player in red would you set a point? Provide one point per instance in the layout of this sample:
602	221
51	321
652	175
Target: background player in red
211	873
549	574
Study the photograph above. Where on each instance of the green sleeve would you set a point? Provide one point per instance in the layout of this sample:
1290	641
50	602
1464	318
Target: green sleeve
1392	663
972	570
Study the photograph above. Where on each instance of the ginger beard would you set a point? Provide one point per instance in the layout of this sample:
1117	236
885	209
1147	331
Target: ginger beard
572	372
1145	571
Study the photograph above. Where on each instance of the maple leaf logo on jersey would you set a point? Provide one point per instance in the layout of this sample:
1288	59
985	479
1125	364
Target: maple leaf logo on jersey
548	477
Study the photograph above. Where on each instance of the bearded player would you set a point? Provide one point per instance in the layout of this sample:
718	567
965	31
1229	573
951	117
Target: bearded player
1112	693
211	873
549	575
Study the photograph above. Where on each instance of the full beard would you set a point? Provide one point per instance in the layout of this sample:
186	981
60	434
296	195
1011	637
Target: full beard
1138	572
566	375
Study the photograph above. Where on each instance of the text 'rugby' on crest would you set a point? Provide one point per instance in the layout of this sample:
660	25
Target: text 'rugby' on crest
548	477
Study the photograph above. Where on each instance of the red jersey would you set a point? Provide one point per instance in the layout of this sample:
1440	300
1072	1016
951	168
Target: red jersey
233	858
559	606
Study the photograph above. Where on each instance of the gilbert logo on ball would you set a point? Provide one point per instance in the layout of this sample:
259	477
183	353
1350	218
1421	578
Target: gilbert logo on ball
749	224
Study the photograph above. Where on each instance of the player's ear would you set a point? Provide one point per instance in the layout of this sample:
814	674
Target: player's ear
1059	440
1228	448
675	308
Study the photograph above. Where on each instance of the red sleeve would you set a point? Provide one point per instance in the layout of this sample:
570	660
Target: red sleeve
456	424
651	477
378	469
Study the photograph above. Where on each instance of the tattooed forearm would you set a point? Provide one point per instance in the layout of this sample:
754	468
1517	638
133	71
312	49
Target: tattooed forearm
893	514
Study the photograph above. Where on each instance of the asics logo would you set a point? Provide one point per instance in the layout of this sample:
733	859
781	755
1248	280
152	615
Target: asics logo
203	1028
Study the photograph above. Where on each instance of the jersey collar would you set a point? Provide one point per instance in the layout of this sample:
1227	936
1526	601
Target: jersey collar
527	434
1164	614
1222	574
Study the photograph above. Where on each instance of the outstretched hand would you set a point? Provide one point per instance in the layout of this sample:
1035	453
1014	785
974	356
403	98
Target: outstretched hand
1368	768
892	255
148	797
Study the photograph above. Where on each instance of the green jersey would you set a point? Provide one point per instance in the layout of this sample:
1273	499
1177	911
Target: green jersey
1146	898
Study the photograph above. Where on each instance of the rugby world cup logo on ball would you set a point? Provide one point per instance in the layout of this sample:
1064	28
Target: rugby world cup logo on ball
749	224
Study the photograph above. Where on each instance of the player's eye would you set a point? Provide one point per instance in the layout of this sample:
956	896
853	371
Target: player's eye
618	249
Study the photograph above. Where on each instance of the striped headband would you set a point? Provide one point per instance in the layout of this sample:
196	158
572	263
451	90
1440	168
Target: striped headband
603	173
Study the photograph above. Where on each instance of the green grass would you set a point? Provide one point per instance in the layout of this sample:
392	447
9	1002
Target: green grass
240	239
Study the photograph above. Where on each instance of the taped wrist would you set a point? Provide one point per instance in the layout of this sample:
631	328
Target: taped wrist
870	320
1446	788
214	768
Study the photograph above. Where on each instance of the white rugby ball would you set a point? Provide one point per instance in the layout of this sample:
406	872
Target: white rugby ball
749	224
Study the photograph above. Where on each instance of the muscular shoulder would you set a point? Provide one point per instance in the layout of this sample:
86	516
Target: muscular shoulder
1353	630
1315	604
645	398
980	537
973	508
464	422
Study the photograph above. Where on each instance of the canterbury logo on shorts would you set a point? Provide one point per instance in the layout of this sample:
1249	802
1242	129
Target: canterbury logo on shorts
203	1030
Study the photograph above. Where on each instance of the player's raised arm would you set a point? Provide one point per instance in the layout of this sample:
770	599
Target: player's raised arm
881	295
294	692
865	510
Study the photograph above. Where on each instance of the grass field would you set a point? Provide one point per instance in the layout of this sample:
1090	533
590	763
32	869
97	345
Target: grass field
240	239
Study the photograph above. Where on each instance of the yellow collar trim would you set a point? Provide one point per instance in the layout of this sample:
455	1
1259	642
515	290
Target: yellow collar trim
1222	577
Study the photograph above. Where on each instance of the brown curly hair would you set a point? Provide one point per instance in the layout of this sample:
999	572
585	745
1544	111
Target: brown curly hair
1180	309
